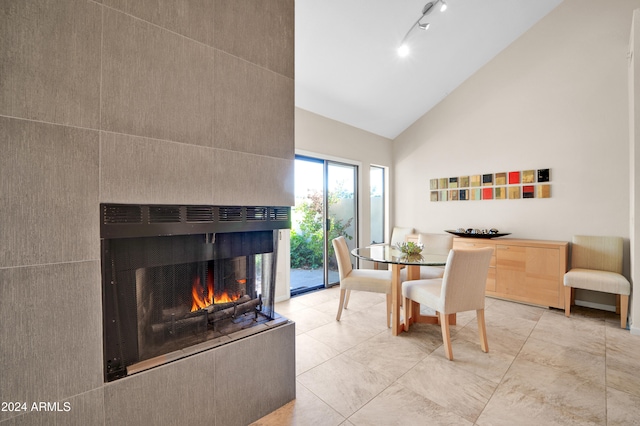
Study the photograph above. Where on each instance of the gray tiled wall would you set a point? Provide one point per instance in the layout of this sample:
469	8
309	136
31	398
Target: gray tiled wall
152	101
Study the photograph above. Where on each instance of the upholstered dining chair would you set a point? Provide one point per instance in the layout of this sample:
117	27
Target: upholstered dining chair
596	264
376	281
460	289
433	244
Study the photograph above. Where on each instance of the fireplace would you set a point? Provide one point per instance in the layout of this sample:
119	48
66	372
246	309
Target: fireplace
178	280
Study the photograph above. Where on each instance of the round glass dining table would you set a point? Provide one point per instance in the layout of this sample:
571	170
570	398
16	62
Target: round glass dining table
384	253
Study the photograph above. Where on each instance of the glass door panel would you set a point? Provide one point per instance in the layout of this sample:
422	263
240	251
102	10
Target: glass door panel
326	207
307	226
342	211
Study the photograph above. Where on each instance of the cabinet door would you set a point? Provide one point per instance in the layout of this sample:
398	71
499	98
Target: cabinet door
491	276
542	280
529	274
511	270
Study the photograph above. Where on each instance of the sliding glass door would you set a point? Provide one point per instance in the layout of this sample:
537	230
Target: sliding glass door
326	207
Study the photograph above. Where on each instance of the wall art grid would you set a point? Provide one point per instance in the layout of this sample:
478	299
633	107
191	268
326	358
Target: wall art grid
532	183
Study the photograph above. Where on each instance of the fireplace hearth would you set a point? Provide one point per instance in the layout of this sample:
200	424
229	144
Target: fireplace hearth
178	280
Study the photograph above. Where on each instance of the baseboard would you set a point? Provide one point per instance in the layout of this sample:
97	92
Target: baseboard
599	306
635	331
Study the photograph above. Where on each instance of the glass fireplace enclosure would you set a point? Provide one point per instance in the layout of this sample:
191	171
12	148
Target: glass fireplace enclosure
171	295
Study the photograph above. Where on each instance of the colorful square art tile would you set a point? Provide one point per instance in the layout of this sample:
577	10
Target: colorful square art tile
464	194
543	191
500	193
443	183
487	193
475	194
501	179
434	195
476	180
433	183
514	192
527	191
487	180
464	181
444	195
514	178
453	182
453	195
528	176
543	175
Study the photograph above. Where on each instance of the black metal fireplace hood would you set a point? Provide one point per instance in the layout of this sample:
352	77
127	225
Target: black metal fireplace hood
133	220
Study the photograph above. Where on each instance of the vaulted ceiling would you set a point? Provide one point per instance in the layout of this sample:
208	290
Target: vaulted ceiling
348	68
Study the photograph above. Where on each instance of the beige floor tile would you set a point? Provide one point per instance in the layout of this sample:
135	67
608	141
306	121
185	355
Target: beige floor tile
571	332
344	384
387	354
306	409
623	409
573	361
341	335
398	405
509	407
309	319
622	361
499	338
531	387
311	353
468	356
453	388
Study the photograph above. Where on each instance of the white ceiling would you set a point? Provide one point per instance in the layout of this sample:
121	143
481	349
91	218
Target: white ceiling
347	67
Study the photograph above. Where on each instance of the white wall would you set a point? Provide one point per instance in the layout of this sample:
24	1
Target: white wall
634	155
556	98
329	139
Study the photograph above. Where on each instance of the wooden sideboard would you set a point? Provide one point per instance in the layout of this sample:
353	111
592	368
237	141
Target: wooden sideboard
530	271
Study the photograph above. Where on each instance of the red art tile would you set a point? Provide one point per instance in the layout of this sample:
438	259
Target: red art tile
487	193
514	177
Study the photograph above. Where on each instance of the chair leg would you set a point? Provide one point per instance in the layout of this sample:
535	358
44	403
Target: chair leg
346	299
389	310
567	301
446	336
341	305
624	310
482	329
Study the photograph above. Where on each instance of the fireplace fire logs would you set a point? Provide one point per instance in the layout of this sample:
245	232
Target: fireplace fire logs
171	320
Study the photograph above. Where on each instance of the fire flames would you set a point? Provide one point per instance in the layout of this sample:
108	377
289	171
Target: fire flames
201	298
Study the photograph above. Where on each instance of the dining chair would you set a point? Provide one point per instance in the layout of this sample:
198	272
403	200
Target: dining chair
376	281
460	289
596	264
432	244
399	234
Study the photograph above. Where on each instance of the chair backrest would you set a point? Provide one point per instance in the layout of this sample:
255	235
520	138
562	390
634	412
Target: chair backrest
399	234
342	256
465	279
601	253
436	243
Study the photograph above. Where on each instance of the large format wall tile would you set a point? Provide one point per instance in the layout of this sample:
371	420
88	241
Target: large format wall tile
254	108
48	193
261	32
246	179
155	83
179	393
51	332
191	18
257	375
141	170
50	61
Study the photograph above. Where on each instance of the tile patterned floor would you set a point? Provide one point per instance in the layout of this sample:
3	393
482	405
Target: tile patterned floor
542	368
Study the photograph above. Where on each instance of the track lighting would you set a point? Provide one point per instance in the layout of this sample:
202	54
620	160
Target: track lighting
403	50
